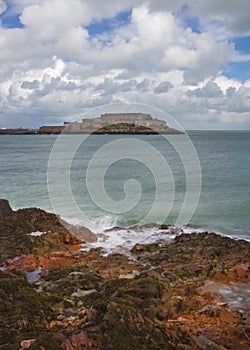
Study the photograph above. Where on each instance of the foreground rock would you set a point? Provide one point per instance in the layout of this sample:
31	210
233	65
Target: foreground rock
168	296
34	231
5	208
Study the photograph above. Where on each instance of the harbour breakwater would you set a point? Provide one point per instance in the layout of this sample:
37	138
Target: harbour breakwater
18	131
185	291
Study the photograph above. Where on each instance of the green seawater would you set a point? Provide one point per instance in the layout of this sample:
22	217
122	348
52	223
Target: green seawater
224	204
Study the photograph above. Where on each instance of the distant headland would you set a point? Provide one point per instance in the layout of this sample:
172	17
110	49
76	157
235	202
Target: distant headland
109	123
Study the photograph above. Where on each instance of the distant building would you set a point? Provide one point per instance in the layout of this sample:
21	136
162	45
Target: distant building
90	125
128	118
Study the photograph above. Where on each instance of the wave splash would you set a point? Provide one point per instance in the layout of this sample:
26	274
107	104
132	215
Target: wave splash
96	225
123	239
117	236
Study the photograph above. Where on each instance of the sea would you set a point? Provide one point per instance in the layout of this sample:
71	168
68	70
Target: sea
133	182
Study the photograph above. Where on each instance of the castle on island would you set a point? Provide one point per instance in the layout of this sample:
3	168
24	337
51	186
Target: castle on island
109	121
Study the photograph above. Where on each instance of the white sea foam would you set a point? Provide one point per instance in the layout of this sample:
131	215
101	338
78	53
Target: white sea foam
37	233
122	240
115	239
191	229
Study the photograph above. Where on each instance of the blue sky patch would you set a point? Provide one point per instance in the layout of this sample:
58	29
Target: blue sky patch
187	20
238	70
109	24
242	44
10	20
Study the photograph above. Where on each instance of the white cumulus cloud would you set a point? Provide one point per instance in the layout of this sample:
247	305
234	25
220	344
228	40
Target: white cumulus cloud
171	54
3	6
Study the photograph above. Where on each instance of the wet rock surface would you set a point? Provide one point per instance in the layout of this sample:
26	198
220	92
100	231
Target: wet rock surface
32	230
5	209
163	296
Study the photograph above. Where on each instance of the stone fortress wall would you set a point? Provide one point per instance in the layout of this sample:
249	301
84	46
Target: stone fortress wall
92	124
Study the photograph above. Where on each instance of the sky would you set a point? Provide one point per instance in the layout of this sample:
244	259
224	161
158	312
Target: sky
61	58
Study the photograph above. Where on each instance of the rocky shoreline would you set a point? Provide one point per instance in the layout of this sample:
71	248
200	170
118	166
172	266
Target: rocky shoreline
191	293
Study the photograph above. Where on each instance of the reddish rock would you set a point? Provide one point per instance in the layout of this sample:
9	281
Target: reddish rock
240	273
74	248
24	263
26	344
52	324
